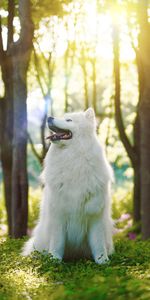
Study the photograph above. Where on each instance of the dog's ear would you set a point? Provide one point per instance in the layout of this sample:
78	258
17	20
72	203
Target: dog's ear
89	113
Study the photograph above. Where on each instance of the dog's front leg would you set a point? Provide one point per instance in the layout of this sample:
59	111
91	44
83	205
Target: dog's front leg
95	202
57	240
97	241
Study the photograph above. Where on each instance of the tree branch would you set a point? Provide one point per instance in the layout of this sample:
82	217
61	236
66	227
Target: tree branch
46	95
118	114
37	63
139	63
39	157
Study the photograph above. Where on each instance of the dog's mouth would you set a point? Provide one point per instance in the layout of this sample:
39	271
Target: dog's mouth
58	134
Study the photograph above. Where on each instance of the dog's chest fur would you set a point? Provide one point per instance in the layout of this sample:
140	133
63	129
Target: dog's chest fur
65	182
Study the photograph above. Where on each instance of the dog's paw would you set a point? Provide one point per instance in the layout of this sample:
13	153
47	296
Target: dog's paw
102	259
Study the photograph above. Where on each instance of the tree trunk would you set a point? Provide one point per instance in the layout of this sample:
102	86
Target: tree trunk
137	195
13	134
132	150
7	135
6	159
19	170
144	113
145	162
20	55
6	130
137	172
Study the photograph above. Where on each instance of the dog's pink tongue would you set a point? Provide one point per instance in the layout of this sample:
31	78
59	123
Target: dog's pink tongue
48	137
60	133
55	134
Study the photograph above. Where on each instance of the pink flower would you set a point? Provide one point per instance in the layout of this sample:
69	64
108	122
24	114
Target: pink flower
124	217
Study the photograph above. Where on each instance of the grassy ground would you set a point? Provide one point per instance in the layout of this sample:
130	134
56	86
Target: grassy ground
127	276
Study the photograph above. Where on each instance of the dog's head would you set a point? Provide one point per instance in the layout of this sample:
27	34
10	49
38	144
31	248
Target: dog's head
72	127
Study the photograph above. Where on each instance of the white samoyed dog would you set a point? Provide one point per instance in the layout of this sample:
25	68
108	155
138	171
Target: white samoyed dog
75	215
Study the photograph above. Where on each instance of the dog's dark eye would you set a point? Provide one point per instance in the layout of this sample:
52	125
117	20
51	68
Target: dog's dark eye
68	120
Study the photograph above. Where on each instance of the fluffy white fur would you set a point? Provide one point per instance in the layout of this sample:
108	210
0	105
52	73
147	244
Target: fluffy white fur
75	216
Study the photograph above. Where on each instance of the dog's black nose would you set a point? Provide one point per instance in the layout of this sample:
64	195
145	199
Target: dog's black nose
50	120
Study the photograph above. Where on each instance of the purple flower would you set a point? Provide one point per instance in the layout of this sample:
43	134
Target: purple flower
132	236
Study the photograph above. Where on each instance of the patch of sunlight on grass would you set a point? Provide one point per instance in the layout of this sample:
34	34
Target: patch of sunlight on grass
140	273
26	284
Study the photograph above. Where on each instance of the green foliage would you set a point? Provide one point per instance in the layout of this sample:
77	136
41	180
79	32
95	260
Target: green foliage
45	9
2	206
122	201
3	215
41	277
34	200
3	4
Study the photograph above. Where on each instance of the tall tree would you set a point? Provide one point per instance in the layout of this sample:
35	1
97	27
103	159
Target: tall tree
133	150
139	151
6	112
144	51
14	62
20	58
14	65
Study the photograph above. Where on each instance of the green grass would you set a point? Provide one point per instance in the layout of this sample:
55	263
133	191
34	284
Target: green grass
127	276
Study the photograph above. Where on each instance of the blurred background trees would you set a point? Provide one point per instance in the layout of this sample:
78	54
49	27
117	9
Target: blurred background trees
84	53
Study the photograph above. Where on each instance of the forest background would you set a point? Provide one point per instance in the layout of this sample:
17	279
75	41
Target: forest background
59	56
66	56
